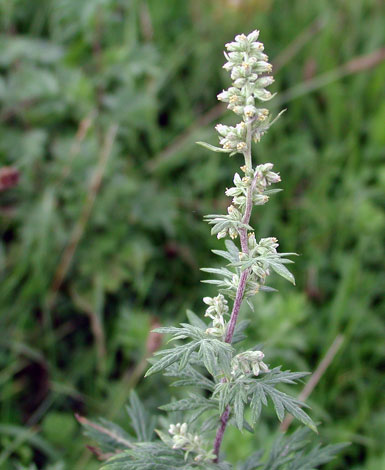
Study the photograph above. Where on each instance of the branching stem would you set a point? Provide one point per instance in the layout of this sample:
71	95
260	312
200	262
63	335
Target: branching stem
243	235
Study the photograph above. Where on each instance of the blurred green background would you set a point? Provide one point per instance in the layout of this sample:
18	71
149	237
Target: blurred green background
103	192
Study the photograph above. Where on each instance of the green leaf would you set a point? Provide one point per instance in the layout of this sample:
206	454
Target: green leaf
141	420
195	320
232	249
169	357
238	410
283	402
282	271
192	403
213	148
109	436
224	254
188	376
148	456
295	452
158	456
209	357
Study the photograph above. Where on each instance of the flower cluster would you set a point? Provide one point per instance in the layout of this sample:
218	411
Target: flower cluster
248	66
232	138
265	177
247	362
260	251
260	179
189	443
217	309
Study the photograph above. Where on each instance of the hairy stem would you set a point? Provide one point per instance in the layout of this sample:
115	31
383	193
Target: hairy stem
241	286
220	432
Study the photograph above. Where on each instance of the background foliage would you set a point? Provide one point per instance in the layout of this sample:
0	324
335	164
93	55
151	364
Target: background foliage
102	237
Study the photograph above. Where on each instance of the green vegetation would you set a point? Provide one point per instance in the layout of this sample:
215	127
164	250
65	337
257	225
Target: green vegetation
102	237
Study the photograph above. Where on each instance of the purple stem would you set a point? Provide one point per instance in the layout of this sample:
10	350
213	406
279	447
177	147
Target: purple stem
236	308
220	432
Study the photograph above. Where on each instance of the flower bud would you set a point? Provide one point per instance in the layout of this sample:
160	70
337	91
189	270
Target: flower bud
222	129
172	429
240	82
264	81
213	332
262	66
183	428
253	36
237	72
273	177
238	109
262	94
250	111
260	199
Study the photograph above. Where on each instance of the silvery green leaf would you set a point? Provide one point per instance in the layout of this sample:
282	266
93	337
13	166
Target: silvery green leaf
267	289
223	392
316	456
209	357
140	419
224	254
213	148
149	456
184	331
276	376
109	436
268	192
254	461
186	356
232	249
221	271
295	452
288	254
188	376
239	406
257	400
166	438
238	335
219	226
216	355
193	402
277	117
283	402
224	361
195	320
169	357
214	281
282	271
210	423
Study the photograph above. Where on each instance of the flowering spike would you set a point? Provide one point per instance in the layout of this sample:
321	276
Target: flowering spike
209	357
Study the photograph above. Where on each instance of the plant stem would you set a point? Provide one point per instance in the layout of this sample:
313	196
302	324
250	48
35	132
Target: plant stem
241	286
221	432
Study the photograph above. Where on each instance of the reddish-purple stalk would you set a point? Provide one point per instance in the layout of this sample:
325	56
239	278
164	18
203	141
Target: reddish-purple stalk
239	295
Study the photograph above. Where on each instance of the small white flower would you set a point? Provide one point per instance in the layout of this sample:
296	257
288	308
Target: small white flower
253	36
250	111
264	81
222	130
183	428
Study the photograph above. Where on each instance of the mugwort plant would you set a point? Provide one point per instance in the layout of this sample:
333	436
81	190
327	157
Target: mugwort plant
232	385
